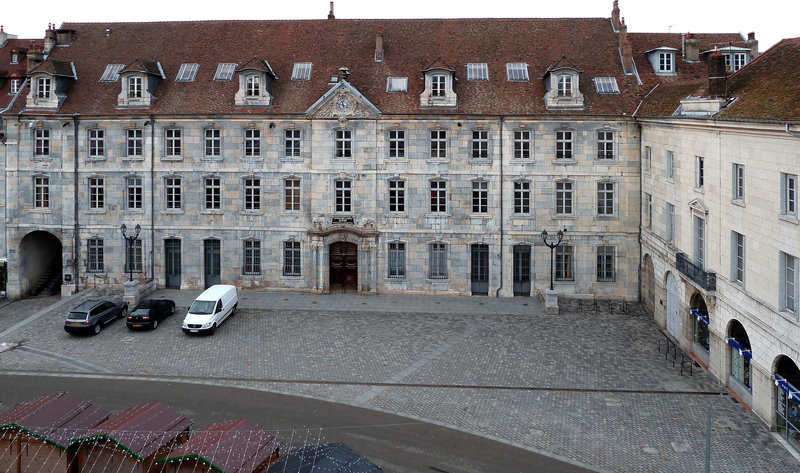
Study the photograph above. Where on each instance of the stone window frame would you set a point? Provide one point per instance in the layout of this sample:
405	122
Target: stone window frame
132	149
564	263
252	142
135	253
523	145
96	192
41	192
669	170
699	173
523	197
173	145
251	193
136	196
173	193
293	191
212	193
438	144
41	142
396	148
606	197
292	145
251	257
606	145
396	196
738	257
438	204
737	182
788	286
564	145
292	264
96	143
95	255
564	205
44	87
564	85
343	195
437	260
344	143
606	268
479	145
479	192
396	259
789	196
212	142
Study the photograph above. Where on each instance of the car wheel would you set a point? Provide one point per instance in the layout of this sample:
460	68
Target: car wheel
172	310
97	328
213	329
123	313
155	324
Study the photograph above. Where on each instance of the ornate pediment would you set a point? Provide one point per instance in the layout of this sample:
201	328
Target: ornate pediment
698	206
343	102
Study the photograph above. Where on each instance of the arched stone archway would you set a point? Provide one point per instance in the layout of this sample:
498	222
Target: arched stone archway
787	400
344	256
648	284
40	264
740	375
701	335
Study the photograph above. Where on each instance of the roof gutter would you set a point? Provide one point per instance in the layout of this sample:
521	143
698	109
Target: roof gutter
643	98
796	135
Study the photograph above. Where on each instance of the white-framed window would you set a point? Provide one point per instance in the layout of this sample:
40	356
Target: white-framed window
789	194
291	143
648	210
738	181
564	86
96	142
605	144
788	282
212	142
438	85
97	194
95	257
605	198
699	241
213	192
438	144
699	172
397	196
344	144
134	193
670	222
522	197
225	71
480	197
670	165
41	192
397	84
563	144
606	271
291	258
735	61
606	85
438	196
343	196
517	72
14	58
252	86
14	86
172	141
135	87
478	71
41	138
173	193
397	143
187	72
133	260
737	257
437	261
252	193
522	144
665	61
252	257
480	144
252	142
134	141
648	158
397	260
291	194
43	86
564	263
301	71
564	198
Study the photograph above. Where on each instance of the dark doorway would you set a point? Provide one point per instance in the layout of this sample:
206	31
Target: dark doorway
211	262
40	264
479	273
343	263
172	257
522	270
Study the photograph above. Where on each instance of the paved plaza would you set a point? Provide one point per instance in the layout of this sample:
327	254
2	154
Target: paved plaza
586	386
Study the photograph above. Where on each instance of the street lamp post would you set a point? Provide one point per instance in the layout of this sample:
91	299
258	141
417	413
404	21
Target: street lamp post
552	247
129	239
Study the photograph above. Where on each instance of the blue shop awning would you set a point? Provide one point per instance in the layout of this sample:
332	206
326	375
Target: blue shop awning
742	350
697	315
791	391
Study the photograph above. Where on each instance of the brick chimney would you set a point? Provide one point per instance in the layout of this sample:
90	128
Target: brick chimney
752	43
623	32
615	16
50	39
627	57
34	56
330	14
691	48
379	45
717	85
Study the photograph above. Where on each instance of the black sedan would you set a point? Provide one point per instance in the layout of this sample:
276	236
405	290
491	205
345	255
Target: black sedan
90	316
149	313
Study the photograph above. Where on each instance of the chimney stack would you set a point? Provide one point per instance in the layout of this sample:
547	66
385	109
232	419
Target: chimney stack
34	56
717	85
615	16
330	14
623	32
691	48
752	43
50	39
627	57
379	45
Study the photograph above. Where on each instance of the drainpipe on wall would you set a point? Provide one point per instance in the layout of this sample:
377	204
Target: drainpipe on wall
796	135
502	217
77	240
641	191
152	198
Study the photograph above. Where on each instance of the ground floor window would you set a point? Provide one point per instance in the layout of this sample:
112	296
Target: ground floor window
95	256
788	410
397	260
291	258
701	334
133	263
252	257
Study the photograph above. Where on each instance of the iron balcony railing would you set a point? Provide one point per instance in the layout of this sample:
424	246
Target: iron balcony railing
706	279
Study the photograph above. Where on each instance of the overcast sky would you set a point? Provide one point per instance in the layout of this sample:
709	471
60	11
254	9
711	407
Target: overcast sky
771	20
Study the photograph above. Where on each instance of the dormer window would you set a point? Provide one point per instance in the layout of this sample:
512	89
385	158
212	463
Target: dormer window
50	82
438	85
139	82
43	87
565	86
14	86
439	81
735	61
253	88
14	58
665	60
135	87
255	80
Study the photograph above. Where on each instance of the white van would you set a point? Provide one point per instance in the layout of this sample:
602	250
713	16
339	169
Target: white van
210	309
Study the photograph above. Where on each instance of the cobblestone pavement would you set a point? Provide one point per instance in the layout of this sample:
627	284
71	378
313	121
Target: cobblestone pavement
584	385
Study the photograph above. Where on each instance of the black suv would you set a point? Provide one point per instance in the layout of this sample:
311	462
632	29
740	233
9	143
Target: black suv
149	313
90	316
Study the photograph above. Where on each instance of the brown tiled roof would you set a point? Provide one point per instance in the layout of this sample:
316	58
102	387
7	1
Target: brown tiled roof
56	68
142	65
562	62
409	47
664	99
15	70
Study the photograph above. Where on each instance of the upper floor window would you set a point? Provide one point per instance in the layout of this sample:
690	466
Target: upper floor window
648	210
699	172
225	71
788	282
665	61
96	143
135	87
96	193
173	194
133	192
438	83
477	72
605	198
563	144
133	142
291	192
14	86
301	71
291	143
41	192
699	241
565	86
480	197
735	61
648	158
344	195
522	144
213	189
252	142
517	72
397	84
253	86
43	85
252	193
737	257
670	222
438	196
564	198
212	141
789	194
605	144
344	144
172	141
397	196
438	144
397	143
738	181
480	144
41	138
670	166
14	58
522	197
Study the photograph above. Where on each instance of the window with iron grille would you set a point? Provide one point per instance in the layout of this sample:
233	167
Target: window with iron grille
96	193
291	192
605	145
605	198
564	198
291	258
480	197
252	142
252	193
213	193
605	264
437	261
438	85
94	261
252	86
344	196
397	196
41	142
133	260
291	143
522	144
212	141
135	87
522	197
172	186
480	144
41	192
565	86
438	144
134	192
96	143
564	263
397	260
563	144
252	257
438	196
344	144
134	142
173	141
397	143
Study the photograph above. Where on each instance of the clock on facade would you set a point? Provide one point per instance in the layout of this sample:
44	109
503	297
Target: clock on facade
342	105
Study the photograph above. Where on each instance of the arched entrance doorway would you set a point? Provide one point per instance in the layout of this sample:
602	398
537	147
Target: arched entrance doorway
740	378
787	396
648	284
673	307
343	266
40	264
700	332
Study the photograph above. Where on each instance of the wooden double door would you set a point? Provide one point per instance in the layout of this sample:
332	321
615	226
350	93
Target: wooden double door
343	266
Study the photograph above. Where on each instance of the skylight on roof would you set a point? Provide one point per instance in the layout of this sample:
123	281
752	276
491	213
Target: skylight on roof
606	85
397	84
225	71
111	74
517	71
477	71
301	71
187	72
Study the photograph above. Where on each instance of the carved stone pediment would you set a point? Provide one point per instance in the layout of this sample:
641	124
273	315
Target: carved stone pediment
698	206
343	102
